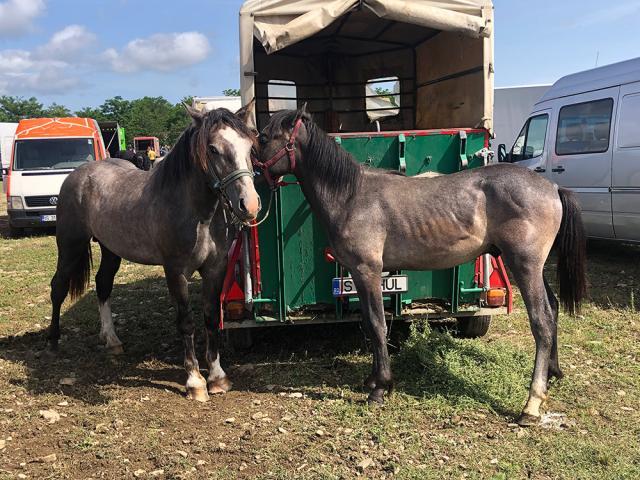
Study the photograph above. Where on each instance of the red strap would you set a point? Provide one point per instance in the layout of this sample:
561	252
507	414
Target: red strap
289	149
228	278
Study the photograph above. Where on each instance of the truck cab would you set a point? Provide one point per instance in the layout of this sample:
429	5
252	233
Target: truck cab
45	151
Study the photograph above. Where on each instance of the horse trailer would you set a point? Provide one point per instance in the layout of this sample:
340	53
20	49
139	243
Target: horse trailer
404	86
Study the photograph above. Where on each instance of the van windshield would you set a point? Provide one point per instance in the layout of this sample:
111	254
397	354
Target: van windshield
52	153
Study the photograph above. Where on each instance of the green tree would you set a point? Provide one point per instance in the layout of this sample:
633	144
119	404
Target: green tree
55	110
149	116
389	94
13	109
117	109
91	112
178	120
231	92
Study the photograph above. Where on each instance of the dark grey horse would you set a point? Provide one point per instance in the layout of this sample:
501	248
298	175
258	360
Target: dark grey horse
174	216
378	221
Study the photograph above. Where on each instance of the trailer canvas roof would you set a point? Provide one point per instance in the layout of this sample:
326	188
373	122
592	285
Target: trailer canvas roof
439	52
279	23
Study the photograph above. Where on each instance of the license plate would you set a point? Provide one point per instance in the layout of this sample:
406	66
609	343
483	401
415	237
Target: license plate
47	218
344	286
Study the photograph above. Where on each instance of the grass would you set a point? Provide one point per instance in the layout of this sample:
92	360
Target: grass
448	418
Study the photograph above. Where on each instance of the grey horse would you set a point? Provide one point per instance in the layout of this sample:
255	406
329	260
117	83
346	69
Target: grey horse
379	221
177	216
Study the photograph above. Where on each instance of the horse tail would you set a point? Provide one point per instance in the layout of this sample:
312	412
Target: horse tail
571	243
79	279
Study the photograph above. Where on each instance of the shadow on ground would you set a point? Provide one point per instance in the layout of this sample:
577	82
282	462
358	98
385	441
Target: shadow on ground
304	358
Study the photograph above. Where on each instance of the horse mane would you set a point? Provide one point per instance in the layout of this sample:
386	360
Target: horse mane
334	168
194	141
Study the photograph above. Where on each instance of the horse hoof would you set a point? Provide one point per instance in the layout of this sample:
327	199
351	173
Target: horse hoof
555	373
219	386
116	350
376	398
528	420
197	394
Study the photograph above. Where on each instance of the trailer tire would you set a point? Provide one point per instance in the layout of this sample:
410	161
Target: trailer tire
473	327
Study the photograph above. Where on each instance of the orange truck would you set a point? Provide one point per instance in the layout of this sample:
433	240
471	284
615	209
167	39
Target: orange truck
45	151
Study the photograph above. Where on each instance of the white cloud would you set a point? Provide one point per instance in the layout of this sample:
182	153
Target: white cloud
17	16
162	52
67	43
54	67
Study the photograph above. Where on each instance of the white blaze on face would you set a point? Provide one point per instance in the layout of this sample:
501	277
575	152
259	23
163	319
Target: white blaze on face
240	147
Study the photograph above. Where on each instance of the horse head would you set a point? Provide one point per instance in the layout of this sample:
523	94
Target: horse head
222	146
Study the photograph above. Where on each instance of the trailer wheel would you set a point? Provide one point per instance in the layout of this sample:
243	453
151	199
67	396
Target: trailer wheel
473	327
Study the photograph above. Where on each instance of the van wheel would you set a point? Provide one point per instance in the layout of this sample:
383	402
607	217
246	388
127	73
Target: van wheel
473	327
15	232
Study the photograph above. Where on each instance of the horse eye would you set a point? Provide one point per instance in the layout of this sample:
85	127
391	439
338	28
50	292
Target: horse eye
214	150
263	139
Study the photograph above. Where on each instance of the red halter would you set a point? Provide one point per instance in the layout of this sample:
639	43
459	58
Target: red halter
288	149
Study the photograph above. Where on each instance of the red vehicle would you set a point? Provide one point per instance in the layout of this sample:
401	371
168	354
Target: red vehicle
141	144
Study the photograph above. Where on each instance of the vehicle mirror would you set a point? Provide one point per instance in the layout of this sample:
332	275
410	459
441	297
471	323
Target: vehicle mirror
502	153
5	171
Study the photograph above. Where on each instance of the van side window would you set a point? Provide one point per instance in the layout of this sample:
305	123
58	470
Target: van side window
584	127
629	135
530	142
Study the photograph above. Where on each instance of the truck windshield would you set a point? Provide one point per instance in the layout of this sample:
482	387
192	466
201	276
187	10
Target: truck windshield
52	153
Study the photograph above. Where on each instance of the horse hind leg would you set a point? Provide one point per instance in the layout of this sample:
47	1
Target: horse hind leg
109	266
554	365
528	276
72	274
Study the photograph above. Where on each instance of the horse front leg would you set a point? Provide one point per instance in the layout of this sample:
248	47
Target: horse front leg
178	288
368	283
212	281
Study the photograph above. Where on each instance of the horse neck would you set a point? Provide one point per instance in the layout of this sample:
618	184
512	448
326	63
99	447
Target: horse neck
326	200
192	194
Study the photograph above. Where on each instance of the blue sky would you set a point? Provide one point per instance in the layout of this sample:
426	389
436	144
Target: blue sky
79	52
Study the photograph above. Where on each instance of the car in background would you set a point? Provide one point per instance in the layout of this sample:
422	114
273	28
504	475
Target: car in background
45	151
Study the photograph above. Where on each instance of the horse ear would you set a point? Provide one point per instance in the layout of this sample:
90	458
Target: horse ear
246	113
195	114
303	110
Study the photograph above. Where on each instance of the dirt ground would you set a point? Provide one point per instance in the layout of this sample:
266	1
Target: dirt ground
297	407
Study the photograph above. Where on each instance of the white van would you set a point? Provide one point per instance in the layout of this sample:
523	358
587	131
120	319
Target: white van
584	134
45	151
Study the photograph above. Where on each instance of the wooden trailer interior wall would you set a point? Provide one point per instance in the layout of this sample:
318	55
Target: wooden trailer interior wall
443	75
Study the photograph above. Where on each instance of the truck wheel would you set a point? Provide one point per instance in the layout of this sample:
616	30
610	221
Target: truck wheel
15	232
473	327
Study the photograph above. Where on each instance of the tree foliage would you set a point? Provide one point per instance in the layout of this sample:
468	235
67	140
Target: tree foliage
147	116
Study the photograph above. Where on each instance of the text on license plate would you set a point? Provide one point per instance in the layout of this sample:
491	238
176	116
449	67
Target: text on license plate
343	286
47	218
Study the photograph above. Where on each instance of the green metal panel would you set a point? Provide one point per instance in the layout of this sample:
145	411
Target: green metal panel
292	241
121	139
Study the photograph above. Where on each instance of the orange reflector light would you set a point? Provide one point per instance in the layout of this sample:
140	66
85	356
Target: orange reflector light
235	310
496	297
